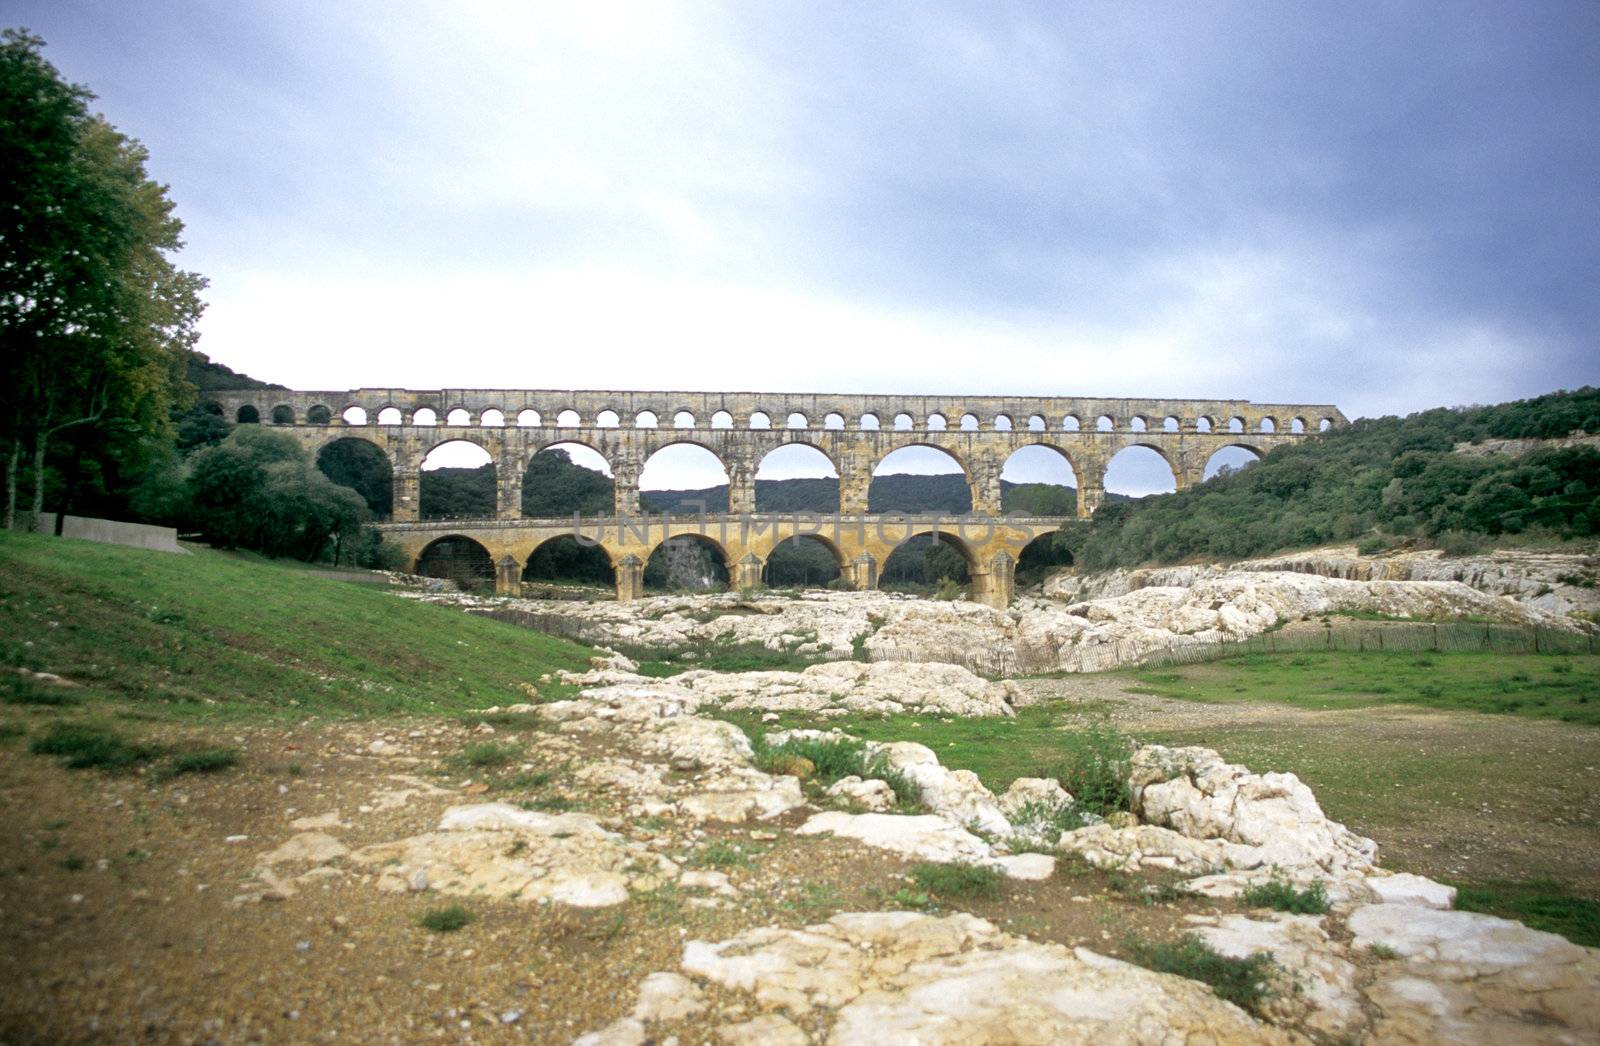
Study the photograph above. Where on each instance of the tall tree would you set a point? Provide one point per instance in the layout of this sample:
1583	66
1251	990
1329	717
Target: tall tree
95	320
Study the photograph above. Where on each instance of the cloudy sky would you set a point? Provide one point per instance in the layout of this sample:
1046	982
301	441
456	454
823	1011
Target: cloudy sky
1387	206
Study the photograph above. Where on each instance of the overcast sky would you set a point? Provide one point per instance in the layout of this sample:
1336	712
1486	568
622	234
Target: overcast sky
1386	206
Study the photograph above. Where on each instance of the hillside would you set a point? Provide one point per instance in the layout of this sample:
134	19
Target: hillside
1382	481
210	632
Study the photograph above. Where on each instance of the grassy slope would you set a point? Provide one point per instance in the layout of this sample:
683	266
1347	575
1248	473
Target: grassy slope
1565	688
209	633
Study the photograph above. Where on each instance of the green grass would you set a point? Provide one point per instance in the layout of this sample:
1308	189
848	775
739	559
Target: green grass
1282	895
1541	903
956	880
206	761
721	854
83	746
1242	982
445	920
488	755
1565	687
832	759
999	749
210	634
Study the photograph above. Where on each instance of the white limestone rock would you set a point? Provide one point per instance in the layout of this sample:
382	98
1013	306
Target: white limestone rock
496	850
1405	888
1464	977
871	795
1148	848
898	977
1193	791
1316	986
926	837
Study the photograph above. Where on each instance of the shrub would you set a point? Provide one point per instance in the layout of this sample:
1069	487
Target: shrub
205	761
80	746
20	690
488	755
956	879
832	758
1242	982
1093	766
1282	895
445	920
1372	546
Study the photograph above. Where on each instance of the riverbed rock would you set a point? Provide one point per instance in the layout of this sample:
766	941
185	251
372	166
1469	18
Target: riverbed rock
1472	978
1195	792
499	851
907	977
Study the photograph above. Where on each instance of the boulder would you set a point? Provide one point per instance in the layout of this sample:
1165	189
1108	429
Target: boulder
1193	791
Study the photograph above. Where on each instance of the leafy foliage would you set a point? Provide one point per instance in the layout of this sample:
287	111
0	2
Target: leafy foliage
1093	765
1242	982
95	321
955	879
1399	475
257	489
1282	895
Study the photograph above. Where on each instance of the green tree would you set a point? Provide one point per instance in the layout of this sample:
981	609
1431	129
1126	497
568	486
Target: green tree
257	489
95	320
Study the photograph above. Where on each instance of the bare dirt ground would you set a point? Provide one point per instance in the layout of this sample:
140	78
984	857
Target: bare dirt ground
126	909
1449	795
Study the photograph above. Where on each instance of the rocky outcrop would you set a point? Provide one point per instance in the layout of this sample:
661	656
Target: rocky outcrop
1088	624
1268	820
906	977
495	850
1554	583
1469	978
831	688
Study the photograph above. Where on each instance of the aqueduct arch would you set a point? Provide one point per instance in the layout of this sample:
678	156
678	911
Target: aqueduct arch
855	432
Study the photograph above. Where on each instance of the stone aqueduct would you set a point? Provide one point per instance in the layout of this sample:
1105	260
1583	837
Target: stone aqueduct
855	432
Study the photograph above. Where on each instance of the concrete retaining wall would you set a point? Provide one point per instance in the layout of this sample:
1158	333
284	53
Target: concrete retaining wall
109	532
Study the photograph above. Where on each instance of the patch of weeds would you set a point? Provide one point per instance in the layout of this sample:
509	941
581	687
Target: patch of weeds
525	781
1133	889
445	920
1093	766
833	758
73	863
516	848
606	928
516	721
905	898
1281	894
488	755
721	854
294	770
819	897
19	690
653	823
955	879
550	804
10	731
663	904
80	746
1383	951
1242	982
205	761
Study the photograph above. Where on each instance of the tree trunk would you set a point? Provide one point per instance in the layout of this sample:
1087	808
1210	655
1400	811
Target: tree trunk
39	441
11	484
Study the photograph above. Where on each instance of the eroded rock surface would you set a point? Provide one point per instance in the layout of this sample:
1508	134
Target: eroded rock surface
498	851
905	977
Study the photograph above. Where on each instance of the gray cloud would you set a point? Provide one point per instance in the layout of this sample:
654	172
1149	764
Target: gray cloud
1387	206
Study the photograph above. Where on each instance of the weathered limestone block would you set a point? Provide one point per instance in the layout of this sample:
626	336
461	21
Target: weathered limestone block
1193	791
